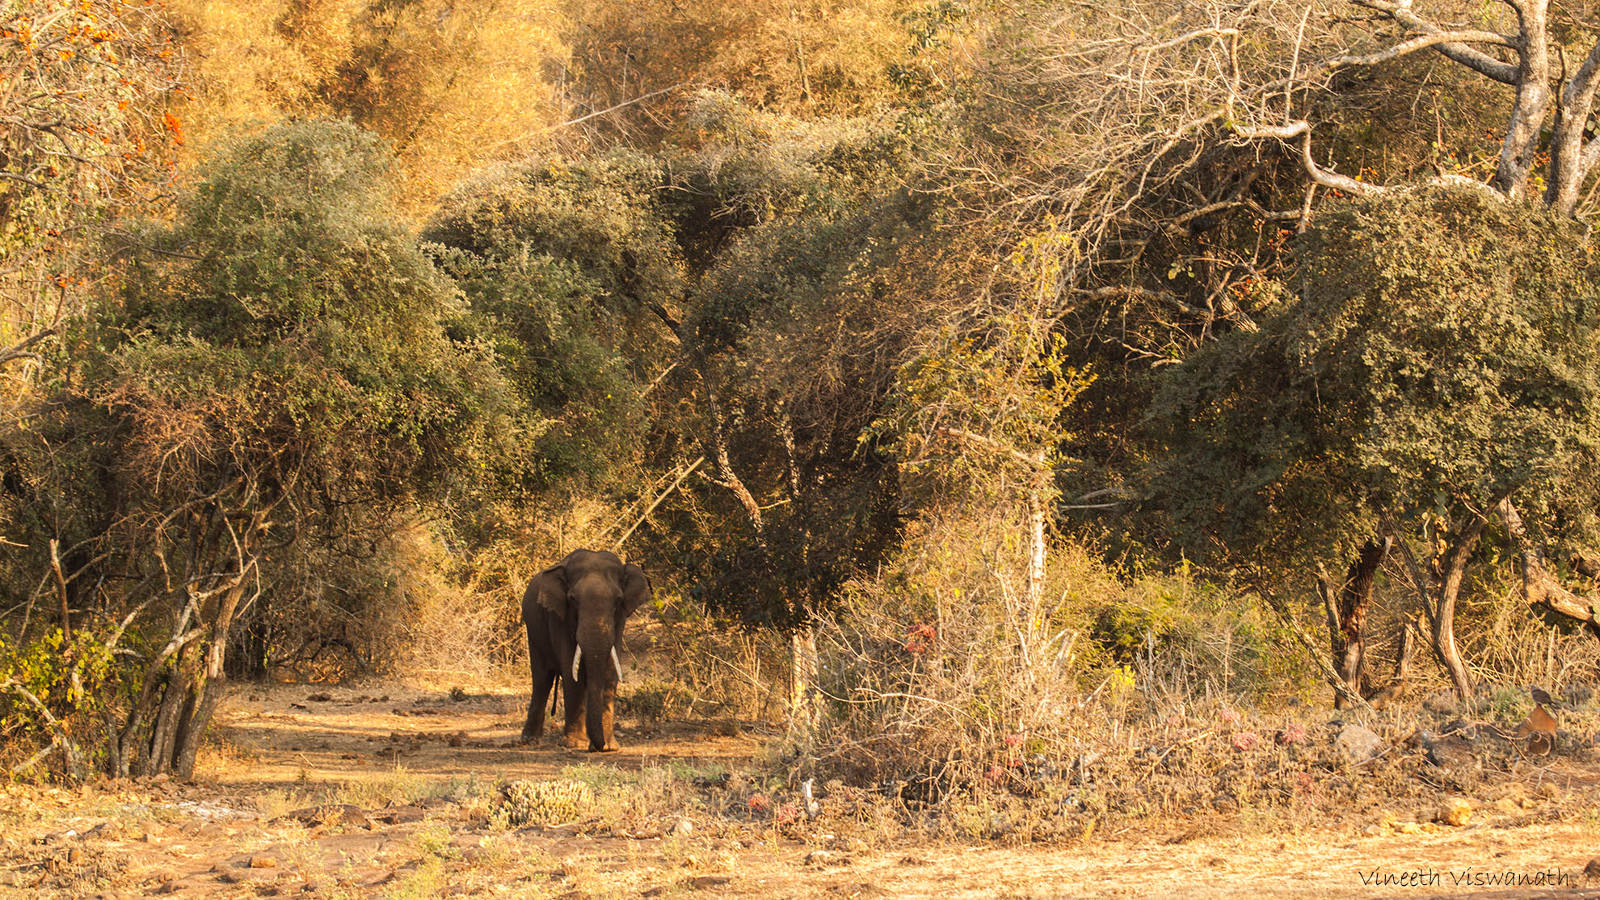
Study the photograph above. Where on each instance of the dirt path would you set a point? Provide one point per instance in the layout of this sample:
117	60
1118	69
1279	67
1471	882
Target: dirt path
293	734
402	810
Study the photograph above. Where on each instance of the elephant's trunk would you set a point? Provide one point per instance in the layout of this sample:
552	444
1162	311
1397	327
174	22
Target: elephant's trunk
616	663
577	656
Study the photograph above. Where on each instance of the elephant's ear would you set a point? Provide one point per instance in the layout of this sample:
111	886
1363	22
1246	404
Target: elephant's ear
635	589
549	590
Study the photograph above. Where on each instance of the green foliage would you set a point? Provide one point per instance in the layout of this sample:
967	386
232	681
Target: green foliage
63	673
293	325
570	267
1440	356
741	165
983	409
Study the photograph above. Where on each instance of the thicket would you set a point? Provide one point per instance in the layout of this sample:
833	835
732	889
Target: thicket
1027	365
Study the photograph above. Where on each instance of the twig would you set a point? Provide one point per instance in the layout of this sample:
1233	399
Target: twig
657	502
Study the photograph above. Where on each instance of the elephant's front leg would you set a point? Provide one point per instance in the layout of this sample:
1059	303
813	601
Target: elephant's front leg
575	734
601	719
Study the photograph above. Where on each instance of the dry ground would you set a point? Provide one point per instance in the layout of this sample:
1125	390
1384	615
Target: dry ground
386	791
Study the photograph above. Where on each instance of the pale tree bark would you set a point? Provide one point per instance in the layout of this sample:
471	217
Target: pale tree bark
1440	588
1540	588
1538	91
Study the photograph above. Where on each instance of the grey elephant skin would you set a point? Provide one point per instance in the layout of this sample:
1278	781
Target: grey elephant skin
575	611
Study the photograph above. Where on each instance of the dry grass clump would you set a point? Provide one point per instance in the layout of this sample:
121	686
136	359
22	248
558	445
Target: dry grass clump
686	665
946	669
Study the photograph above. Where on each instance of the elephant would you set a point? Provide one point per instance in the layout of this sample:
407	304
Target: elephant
574	612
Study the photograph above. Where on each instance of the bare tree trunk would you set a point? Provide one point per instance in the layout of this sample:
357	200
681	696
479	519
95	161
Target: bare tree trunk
1540	589
202	700
1521	142
1036	549
1450	568
802	673
1347	606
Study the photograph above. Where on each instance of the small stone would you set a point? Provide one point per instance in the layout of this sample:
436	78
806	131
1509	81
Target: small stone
260	861
1359	744
683	828
1455	811
1372	830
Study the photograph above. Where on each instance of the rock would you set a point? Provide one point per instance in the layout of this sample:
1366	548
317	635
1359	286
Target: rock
683	828
1372	830
1451	752
1455	811
260	861
1359	744
820	858
400	815
331	814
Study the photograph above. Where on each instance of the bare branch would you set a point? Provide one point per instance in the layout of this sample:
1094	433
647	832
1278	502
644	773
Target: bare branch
1302	130
1477	60
1540	588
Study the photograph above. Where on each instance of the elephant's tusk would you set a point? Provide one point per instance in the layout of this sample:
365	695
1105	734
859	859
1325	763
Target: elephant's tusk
576	656
616	662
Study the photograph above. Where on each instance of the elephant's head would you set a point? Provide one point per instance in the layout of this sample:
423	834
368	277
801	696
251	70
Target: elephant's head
592	594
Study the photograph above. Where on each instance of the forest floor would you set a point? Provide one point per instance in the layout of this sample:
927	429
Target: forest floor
391	791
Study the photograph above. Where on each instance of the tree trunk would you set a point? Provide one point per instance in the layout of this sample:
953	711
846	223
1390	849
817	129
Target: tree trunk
163	737
1036	551
207	691
1450	568
1540	588
802	673
1347	606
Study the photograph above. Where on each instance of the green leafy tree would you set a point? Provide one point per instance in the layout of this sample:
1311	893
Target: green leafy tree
1439	359
285	365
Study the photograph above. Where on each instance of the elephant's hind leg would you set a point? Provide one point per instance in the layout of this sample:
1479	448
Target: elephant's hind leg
533	728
